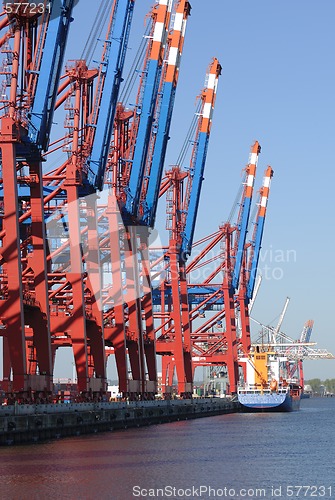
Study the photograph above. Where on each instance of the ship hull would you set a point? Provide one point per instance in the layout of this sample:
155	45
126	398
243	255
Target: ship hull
269	402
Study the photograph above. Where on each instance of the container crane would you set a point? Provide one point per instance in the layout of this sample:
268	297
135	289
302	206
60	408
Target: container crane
140	140
243	217
182	214
147	100
52	291
154	167
31	67
256	241
107	90
91	103
238	280
222	347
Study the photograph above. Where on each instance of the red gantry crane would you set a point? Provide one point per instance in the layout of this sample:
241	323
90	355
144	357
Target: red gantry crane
174	341
76	272
32	47
139	147
215	341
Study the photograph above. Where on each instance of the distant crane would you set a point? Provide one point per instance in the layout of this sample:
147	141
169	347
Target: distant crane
252	263
295	351
280	321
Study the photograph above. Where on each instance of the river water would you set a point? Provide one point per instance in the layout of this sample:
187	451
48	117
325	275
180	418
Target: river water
278	455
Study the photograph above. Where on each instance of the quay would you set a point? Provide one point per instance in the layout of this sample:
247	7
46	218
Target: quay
34	423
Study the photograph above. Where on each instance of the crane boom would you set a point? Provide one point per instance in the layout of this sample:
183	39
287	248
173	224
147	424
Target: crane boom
257	286
258	233
307	331
146	110
42	110
243	218
151	187
110	77
199	154
280	321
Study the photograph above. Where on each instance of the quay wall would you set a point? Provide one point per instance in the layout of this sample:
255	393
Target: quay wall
33	423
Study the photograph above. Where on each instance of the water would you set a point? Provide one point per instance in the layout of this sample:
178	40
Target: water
238	455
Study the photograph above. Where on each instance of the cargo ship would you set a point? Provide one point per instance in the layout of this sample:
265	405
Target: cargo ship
265	388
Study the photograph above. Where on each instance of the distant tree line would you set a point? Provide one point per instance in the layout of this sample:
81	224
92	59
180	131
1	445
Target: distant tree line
315	384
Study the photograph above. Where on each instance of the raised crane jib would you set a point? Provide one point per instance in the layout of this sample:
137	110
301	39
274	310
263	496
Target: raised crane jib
146	108
155	161
256	242
244	213
42	110
110	78
198	158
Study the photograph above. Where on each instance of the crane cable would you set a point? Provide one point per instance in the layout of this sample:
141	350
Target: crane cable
137	63
236	203
95	32
189	135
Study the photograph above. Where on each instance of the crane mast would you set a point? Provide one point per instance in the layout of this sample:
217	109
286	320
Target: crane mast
34	47
146	110
253	259
198	158
154	165
107	90
243	218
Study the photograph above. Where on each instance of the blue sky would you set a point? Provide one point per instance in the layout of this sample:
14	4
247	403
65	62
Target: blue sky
277	87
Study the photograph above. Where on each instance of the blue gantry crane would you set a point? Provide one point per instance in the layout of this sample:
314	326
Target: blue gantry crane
107	90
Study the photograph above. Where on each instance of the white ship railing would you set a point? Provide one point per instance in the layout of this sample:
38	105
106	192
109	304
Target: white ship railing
257	390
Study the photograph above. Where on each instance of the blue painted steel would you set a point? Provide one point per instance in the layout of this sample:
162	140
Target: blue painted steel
143	138
261	400
308	334
268	402
257	248
41	114
24	191
193	204
196	295
117	46
242	230
162	137
265	401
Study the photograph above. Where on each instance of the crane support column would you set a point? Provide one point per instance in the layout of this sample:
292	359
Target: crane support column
77	322
133	300
116	334
94	325
11	309
149	340
228	294
37	261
